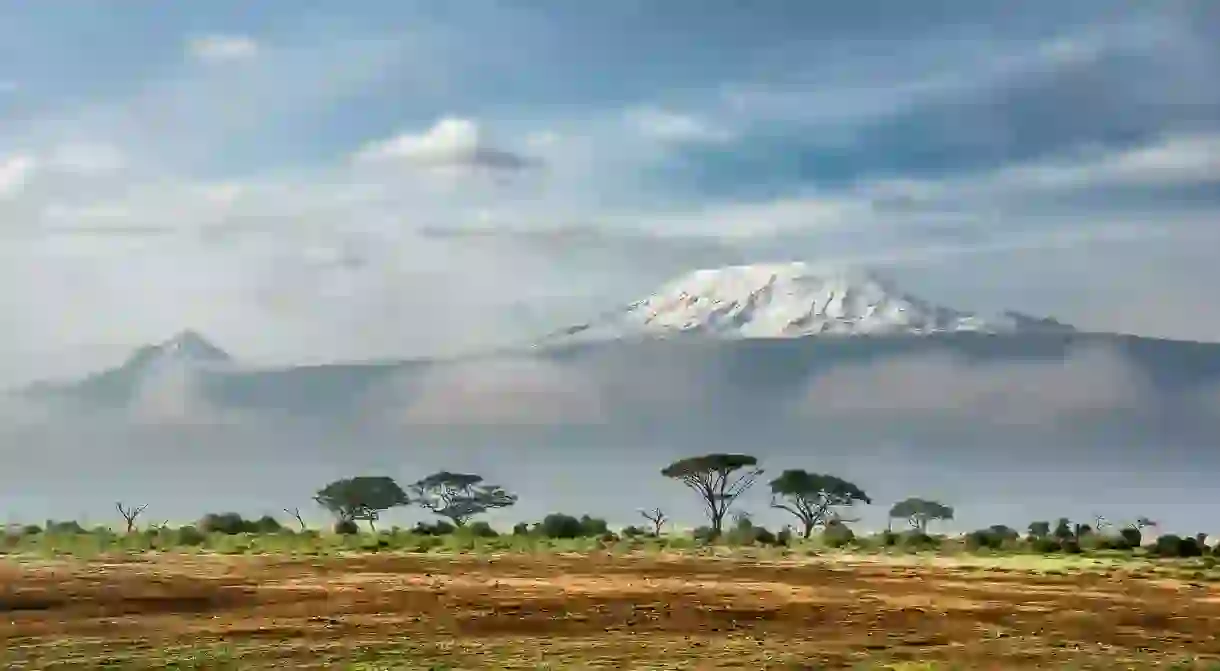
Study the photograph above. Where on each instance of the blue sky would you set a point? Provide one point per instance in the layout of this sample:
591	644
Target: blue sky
454	175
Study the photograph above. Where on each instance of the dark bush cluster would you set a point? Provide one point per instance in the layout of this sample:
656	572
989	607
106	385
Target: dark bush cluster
437	528
1171	545
234	523
837	535
346	528
560	525
995	537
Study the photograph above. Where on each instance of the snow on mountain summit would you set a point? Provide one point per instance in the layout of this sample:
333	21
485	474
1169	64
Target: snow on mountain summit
793	300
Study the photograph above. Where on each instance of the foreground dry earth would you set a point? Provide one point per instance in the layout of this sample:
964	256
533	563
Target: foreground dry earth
429	612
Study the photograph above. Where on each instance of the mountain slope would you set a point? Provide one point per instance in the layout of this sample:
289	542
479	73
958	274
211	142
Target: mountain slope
186	352
792	300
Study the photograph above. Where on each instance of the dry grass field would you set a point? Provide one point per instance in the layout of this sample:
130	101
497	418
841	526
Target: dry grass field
597	611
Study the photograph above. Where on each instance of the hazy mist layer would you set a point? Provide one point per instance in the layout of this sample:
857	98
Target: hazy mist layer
1005	429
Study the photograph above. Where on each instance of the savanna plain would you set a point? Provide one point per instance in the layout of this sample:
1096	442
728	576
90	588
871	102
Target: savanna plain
362	603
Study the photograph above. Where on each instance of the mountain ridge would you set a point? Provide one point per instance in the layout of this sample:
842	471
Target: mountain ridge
768	356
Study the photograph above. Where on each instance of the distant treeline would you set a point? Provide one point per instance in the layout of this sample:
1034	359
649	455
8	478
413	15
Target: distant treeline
816	501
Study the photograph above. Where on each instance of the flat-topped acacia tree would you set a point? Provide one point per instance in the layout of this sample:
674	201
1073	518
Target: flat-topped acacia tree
361	498
813	497
458	496
918	512
718	479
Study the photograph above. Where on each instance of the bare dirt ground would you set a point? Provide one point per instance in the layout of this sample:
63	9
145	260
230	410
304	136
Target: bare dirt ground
428	612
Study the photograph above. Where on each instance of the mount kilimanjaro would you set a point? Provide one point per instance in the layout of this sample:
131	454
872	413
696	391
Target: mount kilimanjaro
793	300
728	345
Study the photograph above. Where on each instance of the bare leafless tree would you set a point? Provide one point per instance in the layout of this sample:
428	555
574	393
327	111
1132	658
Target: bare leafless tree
296	513
657	517
130	513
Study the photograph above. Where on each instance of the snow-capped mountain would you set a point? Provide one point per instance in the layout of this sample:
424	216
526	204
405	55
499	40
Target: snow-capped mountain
793	300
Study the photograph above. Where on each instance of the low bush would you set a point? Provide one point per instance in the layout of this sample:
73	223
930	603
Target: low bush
918	540
1171	545
837	535
481	529
1133	537
189	536
437	528
559	525
233	523
346	528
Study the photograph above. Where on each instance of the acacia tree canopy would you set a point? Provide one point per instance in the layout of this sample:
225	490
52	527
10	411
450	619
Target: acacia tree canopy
918	512
812	497
718	479
361	498
459	496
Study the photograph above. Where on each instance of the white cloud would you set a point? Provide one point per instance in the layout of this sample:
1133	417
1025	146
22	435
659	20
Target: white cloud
87	158
450	142
15	174
669	126
1175	160
1182	160
222	48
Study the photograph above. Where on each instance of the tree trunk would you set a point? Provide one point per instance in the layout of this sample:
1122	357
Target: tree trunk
808	529
372	526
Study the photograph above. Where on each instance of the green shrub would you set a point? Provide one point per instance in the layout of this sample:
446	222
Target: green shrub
984	539
224	523
521	529
837	535
266	525
1099	541
346	528
703	534
481	529
1046	545
1171	545
918	540
559	525
189	536
593	526
1133	537
66	528
437	528
750	535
